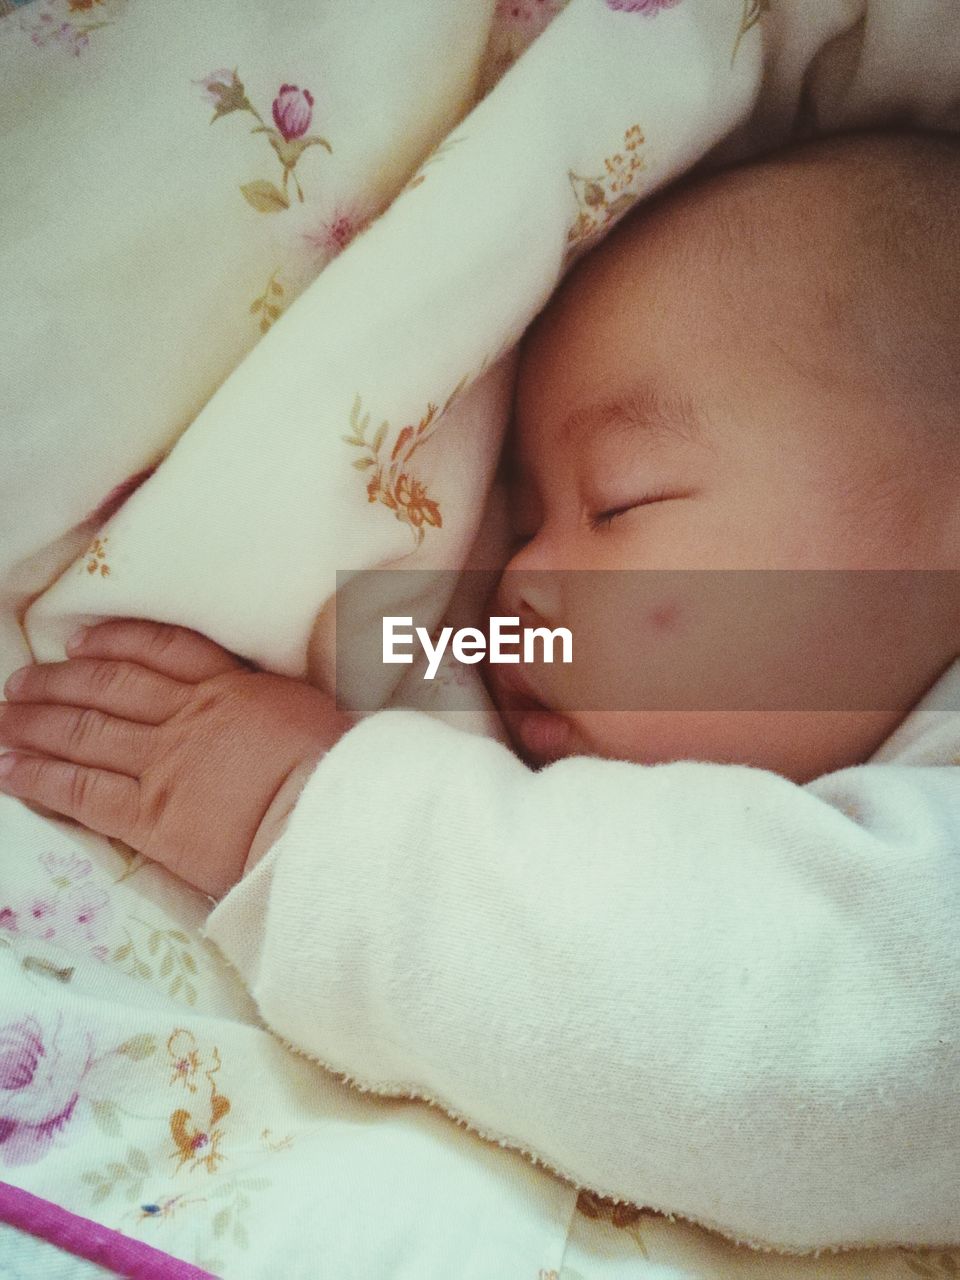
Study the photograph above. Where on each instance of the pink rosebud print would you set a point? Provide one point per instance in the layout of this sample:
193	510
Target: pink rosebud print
216	84
292	111
39	1088
647	7
225	90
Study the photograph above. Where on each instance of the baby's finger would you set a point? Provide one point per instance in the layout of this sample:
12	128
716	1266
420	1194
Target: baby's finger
172	651
83	736
105	802
122	689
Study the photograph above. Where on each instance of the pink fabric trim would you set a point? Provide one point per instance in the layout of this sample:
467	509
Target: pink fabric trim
91	1240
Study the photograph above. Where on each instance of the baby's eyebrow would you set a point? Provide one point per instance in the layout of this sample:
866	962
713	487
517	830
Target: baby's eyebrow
654	413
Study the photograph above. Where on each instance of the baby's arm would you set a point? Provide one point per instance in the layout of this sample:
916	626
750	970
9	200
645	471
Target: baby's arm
697	987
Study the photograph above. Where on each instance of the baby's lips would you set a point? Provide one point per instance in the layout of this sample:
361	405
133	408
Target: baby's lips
546	736
541	734
514	685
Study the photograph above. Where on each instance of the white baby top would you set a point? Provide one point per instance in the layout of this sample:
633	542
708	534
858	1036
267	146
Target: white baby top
698	987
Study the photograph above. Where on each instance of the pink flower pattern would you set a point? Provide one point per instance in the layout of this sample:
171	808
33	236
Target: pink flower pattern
39	1088
62	33
74	912
292	111
216	84
69	23
332	236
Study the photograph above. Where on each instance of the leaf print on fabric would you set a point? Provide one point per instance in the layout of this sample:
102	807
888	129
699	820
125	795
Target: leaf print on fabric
229	1218
393	483
269	304
605	198
128	1175
97	557
171	950
753	11
292	112
41	1071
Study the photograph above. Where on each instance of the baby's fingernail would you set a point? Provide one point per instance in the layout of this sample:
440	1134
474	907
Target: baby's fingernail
15	682
77	639
6	763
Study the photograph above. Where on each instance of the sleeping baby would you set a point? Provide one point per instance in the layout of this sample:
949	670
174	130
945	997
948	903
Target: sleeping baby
739	381
700	959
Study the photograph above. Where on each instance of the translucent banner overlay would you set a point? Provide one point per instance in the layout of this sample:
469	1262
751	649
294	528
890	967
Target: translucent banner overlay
664	640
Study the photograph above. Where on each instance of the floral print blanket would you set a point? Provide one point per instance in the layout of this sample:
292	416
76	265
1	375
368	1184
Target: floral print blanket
264	267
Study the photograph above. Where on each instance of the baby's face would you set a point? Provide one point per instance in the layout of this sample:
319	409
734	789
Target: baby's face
675	415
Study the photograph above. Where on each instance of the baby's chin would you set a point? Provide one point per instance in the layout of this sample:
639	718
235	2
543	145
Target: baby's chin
798	745
541	736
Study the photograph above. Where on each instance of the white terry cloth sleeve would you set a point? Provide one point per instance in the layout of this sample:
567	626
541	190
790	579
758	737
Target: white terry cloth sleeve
697	987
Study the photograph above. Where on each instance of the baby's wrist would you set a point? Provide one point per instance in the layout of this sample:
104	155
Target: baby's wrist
274	821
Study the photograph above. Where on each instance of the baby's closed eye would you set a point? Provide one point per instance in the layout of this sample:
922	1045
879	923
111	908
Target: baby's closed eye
603	518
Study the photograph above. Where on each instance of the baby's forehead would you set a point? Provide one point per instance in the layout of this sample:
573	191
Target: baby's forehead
648	416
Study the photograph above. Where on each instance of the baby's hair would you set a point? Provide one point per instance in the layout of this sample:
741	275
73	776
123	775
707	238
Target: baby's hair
840	258
897	246
874	218
861	230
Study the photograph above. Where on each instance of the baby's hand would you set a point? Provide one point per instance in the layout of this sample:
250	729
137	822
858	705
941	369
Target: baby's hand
155	735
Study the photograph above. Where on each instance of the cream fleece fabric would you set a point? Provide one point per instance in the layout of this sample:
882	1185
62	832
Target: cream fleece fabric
696	987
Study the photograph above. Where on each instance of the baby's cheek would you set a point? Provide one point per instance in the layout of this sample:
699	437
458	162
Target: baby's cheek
686	641
666	618
631	645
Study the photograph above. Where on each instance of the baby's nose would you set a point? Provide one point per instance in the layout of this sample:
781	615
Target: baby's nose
530	589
